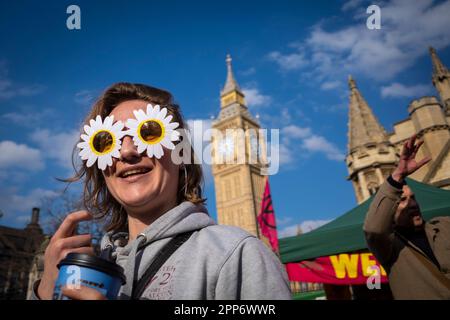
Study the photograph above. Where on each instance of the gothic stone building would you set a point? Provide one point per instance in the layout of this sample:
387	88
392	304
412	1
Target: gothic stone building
18	248
373	153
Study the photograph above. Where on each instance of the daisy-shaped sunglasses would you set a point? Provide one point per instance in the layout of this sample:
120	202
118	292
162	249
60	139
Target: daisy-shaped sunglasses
151	131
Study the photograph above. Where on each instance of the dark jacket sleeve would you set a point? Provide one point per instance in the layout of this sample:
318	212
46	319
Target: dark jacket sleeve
379	223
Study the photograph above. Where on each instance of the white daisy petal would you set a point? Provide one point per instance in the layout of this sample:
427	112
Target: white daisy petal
175	136
91	160
85	137
108	122
109	161
88	130
159	152
84	154
150	151
141	147
141	114
136	114
129	132
132	123
83	145
157	108
119	135
102	162
173	125
168	119
116	153
152	114
149	109
118	125
167	143
162	114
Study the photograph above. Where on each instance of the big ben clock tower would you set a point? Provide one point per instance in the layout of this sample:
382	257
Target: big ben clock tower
237	168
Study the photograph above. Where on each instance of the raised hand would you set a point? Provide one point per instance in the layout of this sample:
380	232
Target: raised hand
65	240
408	164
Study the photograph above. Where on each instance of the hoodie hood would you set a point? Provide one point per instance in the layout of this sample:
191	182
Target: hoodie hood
182	218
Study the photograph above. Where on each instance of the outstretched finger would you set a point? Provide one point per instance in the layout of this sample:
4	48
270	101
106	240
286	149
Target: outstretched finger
405	149
69	224
82	293
416	148
86	250
410	142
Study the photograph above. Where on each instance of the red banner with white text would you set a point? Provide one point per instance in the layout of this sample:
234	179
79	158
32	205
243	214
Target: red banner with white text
345	268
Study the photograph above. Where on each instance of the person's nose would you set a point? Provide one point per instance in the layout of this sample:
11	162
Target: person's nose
128	151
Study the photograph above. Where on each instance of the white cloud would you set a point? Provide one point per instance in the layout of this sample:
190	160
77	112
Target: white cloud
57	146
305	226
84	97
293	61
316	143
283	221
310	225
27	118
10	89
294	137
254	98
352	4
398	90
14	155
293	131
248	72
286	154
289	231
408	29
12	203
330	85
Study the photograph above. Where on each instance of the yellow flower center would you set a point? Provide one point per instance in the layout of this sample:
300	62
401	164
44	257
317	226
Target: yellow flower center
102	142
151	131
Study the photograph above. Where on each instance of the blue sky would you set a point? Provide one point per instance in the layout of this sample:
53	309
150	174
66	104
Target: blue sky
292	59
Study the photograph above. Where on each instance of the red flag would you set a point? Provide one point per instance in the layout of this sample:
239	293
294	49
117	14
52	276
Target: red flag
266	219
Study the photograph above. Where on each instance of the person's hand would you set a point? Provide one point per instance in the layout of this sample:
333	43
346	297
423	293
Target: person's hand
63	242
82	293
408	164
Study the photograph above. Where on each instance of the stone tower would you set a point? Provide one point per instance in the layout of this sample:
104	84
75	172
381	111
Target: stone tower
441	80
239	184
430	124
429	119
371	157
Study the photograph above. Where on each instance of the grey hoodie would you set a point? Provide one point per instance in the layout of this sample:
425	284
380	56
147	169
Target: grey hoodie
216	262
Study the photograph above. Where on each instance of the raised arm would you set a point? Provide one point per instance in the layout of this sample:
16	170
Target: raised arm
379	223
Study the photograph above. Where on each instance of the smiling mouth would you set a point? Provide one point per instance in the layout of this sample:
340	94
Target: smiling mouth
133	174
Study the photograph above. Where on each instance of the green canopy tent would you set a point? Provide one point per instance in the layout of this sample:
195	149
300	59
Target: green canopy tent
345	234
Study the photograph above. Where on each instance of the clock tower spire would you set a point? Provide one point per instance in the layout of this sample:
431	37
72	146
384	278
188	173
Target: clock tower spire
238	181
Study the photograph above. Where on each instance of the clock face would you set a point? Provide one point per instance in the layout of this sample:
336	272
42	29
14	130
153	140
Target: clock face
226	147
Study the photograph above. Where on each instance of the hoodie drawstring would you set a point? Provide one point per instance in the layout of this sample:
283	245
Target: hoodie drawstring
131	266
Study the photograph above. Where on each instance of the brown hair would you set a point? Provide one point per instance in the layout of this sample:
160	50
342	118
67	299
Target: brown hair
96	197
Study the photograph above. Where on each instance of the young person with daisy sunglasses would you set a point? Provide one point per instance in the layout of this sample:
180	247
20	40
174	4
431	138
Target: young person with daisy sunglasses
150	201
